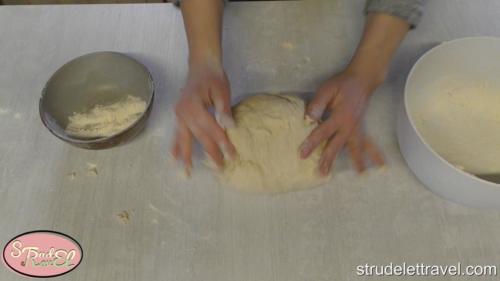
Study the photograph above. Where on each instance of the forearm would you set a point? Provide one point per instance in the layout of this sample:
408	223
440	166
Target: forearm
203	21
382	36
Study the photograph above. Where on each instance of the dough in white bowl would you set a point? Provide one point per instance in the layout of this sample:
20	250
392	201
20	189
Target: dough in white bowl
269	130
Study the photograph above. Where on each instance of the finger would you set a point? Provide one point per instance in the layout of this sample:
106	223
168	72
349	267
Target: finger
220	94
185	143
212	151
210	147
374	152
321	133
217	134
330	153
316	108
204	128
355	149
175	151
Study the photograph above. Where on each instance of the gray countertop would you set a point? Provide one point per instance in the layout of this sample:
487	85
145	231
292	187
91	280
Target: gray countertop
193	229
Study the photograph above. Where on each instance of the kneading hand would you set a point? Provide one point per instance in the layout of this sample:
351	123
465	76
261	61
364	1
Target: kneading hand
345	97
206	87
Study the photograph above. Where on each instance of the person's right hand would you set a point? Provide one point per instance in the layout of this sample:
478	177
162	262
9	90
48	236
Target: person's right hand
207	86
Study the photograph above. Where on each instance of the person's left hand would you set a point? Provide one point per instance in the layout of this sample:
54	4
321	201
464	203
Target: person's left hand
345	97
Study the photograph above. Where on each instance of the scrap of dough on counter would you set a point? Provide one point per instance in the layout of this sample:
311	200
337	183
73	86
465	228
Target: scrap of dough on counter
461	122
287	45
269	130
124	217
92	169
71	175
4	110
106	120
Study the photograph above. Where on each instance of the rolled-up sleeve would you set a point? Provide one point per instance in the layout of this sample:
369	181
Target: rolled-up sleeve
409	10
178	2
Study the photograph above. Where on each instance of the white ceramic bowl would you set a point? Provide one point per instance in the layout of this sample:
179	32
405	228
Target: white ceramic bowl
467	57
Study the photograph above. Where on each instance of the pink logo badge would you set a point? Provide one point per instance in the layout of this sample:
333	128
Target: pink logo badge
42	253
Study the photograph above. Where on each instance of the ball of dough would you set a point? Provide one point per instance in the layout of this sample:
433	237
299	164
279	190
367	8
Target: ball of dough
269	130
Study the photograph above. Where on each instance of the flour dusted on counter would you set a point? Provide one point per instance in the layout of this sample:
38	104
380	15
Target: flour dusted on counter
106	120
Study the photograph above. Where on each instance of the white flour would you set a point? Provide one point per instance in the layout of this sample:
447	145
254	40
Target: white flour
462	123
106	120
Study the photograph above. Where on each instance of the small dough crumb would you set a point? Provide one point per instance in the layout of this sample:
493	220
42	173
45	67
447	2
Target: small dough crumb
4	111
124	217
71	176
287	45
92	169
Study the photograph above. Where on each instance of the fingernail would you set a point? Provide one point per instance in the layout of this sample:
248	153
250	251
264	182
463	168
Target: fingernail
174	160
187	171
305	149
226	153
310	120
171	158
225	120
210	162
315	113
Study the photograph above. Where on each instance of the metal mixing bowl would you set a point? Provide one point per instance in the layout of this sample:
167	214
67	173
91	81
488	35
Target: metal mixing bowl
95	79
